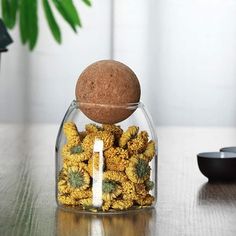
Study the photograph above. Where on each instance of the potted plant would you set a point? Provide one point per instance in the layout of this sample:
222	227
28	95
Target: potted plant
27	13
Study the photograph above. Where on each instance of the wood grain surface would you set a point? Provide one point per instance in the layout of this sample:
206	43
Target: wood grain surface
187	203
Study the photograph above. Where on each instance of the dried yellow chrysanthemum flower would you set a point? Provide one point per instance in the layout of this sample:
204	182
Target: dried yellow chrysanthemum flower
71	162
147	201
141	190
78	178
116	159
92	128
121	204
86	202
138	144
94	163
116	152
71	133
116	163
79	194
149	184
128	135
105	136
138	169
75	153
62	173
74	141
110	189
66	200
114	129
143	135
106	205
150	150
115	176
63	187
128	190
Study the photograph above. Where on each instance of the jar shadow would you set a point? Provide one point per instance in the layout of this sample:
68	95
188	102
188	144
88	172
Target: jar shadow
217	193
131	223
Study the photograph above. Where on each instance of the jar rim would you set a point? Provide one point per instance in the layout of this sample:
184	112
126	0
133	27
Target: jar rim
133	105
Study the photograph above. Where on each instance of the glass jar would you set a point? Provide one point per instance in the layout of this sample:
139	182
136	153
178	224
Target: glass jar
106	168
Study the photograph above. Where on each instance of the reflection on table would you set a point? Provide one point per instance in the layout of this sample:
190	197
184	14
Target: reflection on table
130	224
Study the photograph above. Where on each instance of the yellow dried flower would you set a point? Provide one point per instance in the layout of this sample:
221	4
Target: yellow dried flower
147	201
121	204
128	190
71	132
71	162
92	128
139	144
115	176
62	173
116	159
106	205
66	200
138	169
63	188
94	163
86	202
110	189
75	153
149	185
78	178
143	135
116	163
105	136
150	150
128	135
116	152
141	190
74	141
114	129
79	194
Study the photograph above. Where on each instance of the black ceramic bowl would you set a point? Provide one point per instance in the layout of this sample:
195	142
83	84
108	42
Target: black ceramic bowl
218	166
228	149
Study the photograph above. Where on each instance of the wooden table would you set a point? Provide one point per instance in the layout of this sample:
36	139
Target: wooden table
187	203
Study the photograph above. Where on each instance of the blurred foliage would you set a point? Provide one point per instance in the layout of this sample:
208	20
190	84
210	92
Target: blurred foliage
27	13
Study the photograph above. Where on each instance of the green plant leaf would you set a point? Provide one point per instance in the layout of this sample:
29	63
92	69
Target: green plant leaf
9	9
14	8
28	17
6	13
24	28
33	22
68	12
87	2
71	10
51	21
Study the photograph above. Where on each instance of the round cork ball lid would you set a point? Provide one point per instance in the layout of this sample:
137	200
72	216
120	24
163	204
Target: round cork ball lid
105	88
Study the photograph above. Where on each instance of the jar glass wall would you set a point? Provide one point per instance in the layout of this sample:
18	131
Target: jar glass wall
106	168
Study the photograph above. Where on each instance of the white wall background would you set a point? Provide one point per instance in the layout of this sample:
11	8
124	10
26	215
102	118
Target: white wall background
183	51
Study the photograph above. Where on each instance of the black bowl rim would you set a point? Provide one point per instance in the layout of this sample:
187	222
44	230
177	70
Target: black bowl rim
206	155
224	149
